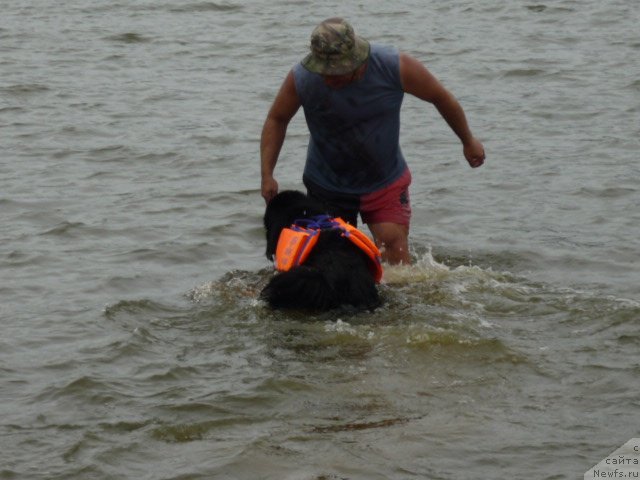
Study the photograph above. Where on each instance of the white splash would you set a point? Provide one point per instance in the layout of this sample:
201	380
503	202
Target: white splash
203	292
426	268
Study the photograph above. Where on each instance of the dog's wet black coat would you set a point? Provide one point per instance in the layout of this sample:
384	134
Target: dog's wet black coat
336	273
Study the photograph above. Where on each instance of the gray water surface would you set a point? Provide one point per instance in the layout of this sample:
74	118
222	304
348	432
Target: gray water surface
131	249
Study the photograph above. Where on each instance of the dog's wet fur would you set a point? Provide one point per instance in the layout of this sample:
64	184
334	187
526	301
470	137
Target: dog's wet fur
335	274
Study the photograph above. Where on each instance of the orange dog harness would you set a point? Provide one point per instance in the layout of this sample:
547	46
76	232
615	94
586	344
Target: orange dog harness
296	243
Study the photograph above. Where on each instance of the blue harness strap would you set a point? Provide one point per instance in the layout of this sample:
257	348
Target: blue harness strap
316	223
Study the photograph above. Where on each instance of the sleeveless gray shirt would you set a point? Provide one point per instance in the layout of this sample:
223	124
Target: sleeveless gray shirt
354	131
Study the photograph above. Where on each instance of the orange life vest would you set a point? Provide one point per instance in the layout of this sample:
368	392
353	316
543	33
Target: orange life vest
296	242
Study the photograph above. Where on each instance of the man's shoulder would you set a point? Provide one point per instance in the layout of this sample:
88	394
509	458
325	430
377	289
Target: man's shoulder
384	50
385	61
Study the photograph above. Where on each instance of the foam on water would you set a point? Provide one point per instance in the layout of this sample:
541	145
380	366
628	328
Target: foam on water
424	268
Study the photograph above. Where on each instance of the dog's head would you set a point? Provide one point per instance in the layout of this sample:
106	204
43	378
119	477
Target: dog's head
283	209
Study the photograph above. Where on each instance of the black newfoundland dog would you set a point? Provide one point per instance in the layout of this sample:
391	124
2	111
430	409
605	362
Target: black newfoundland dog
336	272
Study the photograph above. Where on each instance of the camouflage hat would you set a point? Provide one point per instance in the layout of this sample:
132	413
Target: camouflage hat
335	49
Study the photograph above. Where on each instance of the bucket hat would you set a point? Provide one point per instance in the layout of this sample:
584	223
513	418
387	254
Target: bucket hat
335	48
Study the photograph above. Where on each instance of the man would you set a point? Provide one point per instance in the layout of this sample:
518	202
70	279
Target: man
351	92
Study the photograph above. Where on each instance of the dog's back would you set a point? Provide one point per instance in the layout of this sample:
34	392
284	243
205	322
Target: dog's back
335	273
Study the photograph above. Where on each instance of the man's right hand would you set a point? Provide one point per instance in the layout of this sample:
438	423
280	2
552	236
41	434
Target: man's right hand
269	188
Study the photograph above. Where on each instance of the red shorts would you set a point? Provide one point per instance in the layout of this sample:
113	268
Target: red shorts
389	204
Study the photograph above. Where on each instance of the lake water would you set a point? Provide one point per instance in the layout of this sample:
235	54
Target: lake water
131	249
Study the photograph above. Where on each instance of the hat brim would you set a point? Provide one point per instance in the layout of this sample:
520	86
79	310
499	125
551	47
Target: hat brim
342	65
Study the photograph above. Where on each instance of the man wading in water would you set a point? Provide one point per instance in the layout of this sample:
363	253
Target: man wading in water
351	92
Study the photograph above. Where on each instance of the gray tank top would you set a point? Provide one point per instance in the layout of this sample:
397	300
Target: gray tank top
354	131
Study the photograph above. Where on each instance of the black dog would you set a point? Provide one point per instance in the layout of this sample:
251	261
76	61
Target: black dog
336	272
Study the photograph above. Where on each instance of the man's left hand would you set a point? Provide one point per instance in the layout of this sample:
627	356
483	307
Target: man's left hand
474	153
